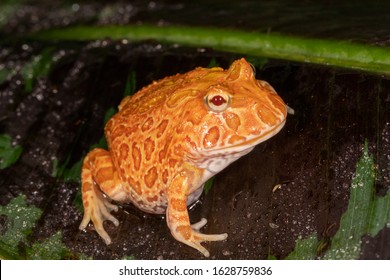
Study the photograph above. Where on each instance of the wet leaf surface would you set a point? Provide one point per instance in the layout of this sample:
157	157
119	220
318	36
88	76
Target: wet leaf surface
9	154
20	220
50	249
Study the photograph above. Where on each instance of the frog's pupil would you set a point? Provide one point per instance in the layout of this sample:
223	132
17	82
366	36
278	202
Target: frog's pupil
218	100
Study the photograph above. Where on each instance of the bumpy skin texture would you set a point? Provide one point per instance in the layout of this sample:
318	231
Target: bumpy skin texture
173	135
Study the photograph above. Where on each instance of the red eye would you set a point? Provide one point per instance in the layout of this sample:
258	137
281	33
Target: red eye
218	100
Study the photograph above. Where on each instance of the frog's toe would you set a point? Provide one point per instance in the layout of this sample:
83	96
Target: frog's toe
101	231
211	237
197	226
207	237
200	248
105	214
197	238
110	206
99	211
191	236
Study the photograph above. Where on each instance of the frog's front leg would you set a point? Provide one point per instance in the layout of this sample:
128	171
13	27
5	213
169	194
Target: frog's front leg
178	219
99	175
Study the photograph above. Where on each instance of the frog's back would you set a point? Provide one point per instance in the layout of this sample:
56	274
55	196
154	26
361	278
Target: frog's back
165	91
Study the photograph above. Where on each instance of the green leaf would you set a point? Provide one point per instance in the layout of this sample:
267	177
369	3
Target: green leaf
20	221
84	257
207	186
271	45
379	212
67	173
366	214
39	66
73	173
131	84
7	11
272	258
213	63
257	61
305	249
56	169
109	114
8	154
380	215
50	249
4	73
362	207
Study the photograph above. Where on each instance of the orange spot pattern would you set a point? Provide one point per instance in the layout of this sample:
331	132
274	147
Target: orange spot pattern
136	154
161	128
151	177
211	138
148	124
148	148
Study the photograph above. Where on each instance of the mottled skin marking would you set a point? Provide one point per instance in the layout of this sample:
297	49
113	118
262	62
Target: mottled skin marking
211	138
137	157
148	148
232	121
172	136
150	177
147	125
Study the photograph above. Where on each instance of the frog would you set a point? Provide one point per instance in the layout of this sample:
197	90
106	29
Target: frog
172	136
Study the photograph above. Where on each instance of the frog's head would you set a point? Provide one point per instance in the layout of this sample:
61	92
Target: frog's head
237	113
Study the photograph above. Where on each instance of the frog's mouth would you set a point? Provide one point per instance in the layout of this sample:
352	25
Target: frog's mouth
248	144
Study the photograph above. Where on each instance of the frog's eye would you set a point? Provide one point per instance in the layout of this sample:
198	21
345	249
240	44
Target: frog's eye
217	102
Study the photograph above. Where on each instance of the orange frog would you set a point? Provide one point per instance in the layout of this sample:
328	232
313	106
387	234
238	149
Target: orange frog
169	138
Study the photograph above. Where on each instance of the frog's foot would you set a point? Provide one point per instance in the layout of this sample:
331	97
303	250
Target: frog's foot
191	236
177	216
97	208
98	177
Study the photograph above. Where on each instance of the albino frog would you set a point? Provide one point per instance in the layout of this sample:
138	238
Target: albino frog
170	137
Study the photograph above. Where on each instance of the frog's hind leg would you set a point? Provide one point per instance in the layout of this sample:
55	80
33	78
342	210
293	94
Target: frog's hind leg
98	176
178	219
